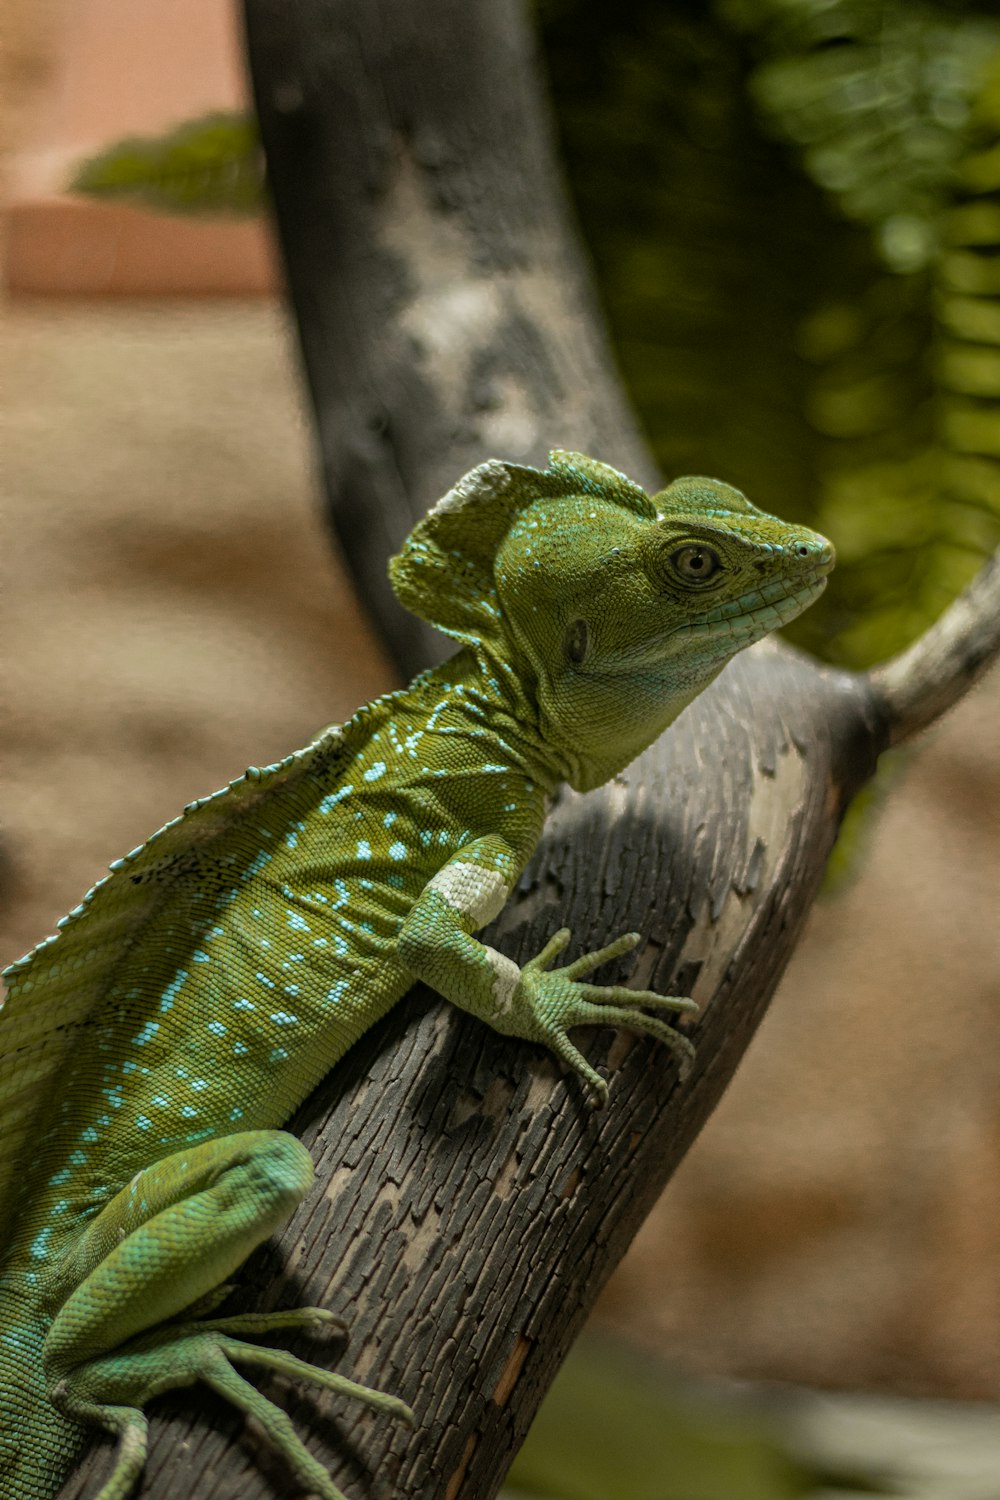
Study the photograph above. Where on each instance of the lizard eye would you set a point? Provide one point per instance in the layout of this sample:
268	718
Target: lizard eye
695	563
577	641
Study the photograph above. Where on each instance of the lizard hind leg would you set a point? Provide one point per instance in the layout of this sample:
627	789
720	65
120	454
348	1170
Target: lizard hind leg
113	1391
156	1255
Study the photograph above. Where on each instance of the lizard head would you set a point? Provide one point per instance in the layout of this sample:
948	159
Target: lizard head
615	607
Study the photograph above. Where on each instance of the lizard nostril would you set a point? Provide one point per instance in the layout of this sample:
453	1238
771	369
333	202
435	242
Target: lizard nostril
802	550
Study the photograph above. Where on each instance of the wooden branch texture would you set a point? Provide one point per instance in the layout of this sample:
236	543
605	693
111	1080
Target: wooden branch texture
468	1206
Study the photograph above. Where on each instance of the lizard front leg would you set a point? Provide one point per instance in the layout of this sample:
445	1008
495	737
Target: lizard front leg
533	1002
164	1246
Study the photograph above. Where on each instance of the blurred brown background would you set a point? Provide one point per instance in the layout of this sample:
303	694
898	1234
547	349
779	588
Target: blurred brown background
173	612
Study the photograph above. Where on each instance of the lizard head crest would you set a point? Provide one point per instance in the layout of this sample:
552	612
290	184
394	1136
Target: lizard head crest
445	570
617	607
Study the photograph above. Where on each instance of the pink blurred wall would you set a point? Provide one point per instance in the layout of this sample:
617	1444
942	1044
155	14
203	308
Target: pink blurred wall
104	69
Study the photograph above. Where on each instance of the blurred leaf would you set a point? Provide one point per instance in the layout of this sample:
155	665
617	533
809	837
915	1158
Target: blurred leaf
208	166
616	1426
877	97
794	212
857	828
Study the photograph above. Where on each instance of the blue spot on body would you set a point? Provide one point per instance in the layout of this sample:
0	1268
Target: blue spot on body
376	771
40	1244
397	850
200	956
297	922
334	797
143	1123
364	849
283	1018
146	1034
172	990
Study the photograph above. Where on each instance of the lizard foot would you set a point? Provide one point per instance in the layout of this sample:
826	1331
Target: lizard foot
557	1000
112	1390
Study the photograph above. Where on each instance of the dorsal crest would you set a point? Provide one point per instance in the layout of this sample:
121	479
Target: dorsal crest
444	571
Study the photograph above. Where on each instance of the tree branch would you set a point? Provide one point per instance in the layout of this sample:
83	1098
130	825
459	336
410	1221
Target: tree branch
921	683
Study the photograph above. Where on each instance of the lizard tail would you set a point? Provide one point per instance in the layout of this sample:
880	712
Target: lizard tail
38	1445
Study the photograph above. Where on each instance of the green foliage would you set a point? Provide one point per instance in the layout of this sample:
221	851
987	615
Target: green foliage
794	210
208	166
616	1427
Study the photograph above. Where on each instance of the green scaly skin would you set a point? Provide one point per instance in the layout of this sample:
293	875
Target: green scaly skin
149	1051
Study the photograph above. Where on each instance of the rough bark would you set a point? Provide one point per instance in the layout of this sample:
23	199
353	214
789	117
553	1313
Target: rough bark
469	1207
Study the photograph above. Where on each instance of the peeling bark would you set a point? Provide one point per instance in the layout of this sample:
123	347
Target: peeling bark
469	1206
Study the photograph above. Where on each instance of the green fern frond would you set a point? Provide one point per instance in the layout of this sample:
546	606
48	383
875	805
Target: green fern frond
212	165
794	208
876	95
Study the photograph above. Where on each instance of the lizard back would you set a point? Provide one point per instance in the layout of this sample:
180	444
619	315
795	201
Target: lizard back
211	979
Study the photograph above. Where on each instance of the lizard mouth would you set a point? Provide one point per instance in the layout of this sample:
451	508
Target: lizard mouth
759	611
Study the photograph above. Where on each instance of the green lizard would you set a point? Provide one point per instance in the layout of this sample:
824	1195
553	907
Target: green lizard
199	992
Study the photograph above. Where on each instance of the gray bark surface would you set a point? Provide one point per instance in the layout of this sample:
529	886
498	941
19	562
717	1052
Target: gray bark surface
469	1206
